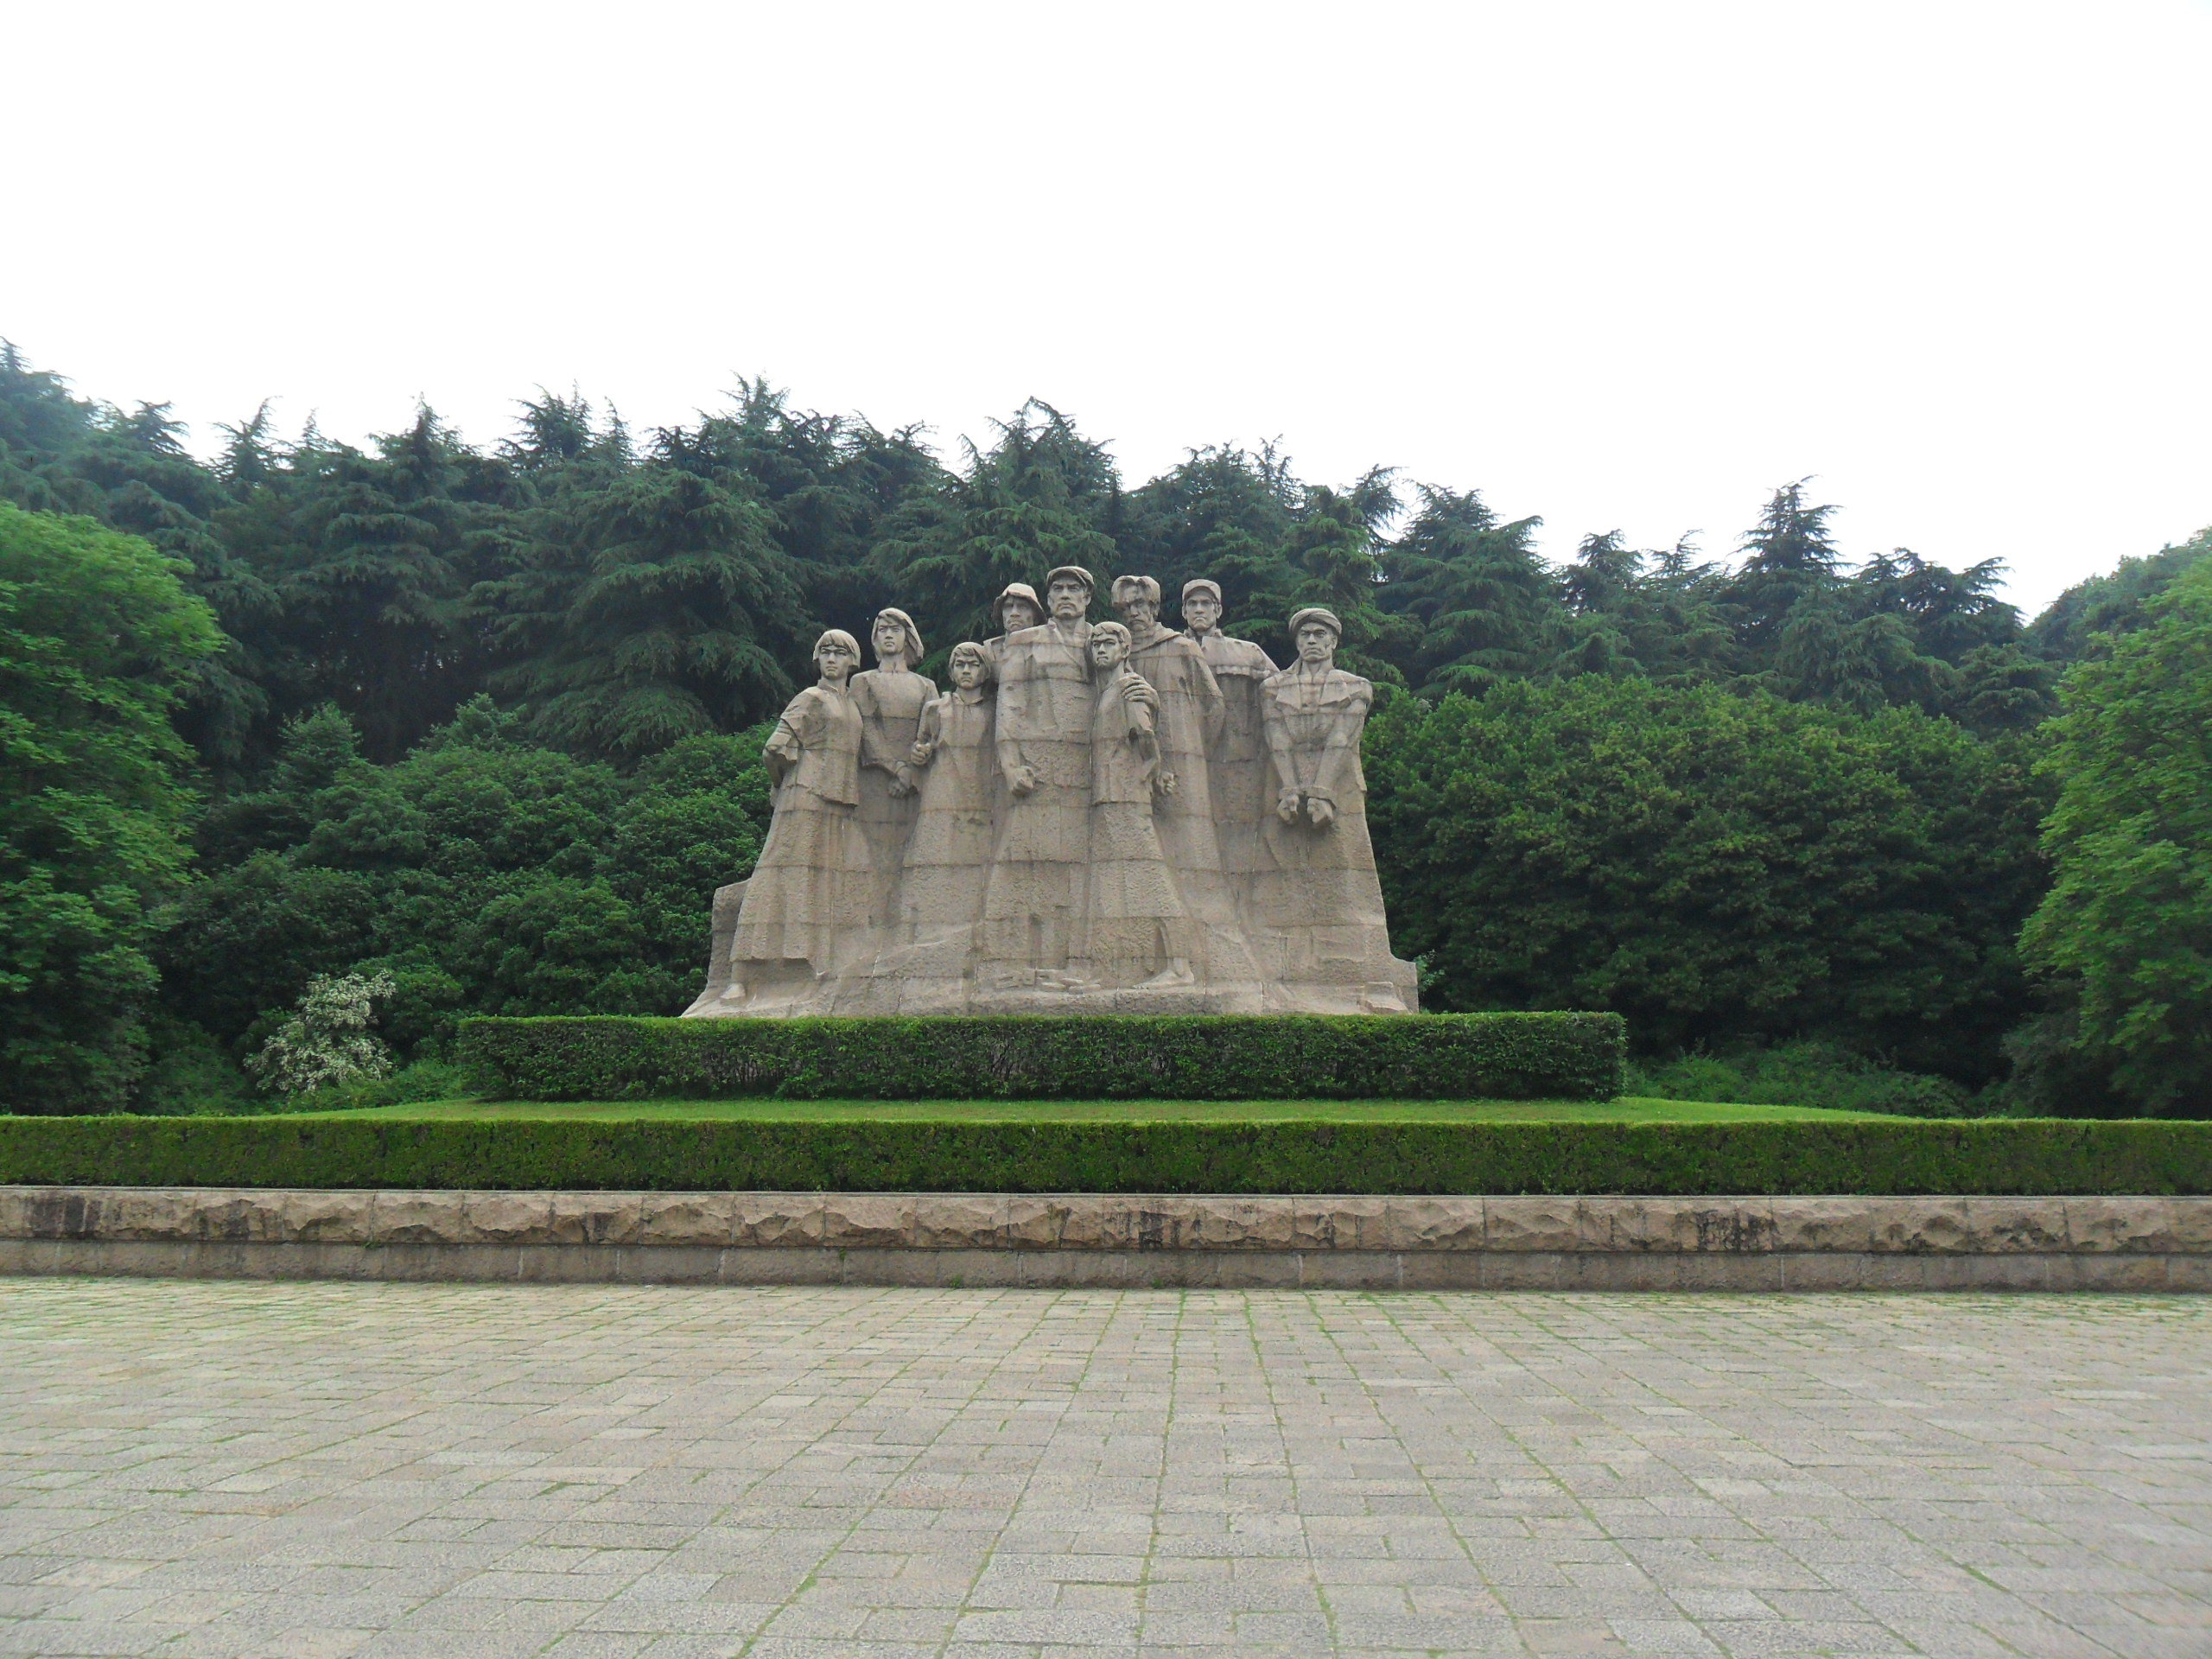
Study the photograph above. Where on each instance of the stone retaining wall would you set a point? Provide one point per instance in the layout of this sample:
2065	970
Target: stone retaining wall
1744	1243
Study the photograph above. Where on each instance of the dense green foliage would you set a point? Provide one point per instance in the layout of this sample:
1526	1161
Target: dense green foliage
1901	1155
485	874
476	716
1451	1057
2125	932
1713	866
1822	1076
97	638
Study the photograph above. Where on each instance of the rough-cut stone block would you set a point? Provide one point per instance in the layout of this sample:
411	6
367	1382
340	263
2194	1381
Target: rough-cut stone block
1345	1224
159	1212
508	1217
1922	1226
707	1220
2191	1221
2118	1271
306	1218
1526	1223
1156	1222
596	1217
1240	1223
956	1221
1709	1226
2011	1225
419	1218
1822	1224
776	1220
668	1264
1040	1222
1437	1224
866	1221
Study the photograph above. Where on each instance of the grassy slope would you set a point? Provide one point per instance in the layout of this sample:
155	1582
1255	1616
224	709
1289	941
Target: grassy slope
1625	1111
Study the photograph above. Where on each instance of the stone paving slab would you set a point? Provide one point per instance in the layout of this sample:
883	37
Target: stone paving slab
202	1469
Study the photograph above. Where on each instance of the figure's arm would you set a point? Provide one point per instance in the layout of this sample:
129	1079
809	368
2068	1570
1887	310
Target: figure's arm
784	747
1277	731
926	735
1020	779
1213	707
1333	765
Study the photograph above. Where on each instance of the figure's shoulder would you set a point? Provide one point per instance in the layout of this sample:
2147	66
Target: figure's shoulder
1243	656
1344	686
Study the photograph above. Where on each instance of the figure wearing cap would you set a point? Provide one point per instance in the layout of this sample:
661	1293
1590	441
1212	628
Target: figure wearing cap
1318	908
1237	767
1016	607
1192	714
1034	899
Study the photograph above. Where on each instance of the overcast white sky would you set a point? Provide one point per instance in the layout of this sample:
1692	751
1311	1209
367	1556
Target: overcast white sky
1622	265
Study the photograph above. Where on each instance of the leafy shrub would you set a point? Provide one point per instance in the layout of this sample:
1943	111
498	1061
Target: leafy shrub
1038	1057
1899	1155
1801	1074
328	1043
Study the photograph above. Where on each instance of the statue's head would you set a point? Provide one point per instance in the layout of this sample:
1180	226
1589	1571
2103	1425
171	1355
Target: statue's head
1201	605
1110	646
1136	601
1067	593
1315	631
1017	607
895	635
836	654
970	667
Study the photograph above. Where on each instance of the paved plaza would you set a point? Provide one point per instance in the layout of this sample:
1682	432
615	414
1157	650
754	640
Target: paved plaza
304	1470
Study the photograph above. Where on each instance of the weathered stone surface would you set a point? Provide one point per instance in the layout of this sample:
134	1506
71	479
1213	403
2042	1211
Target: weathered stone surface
705	1219
1063	832
1525	1223
509	1218
1920	1226
308	1217
777	1220
956	1221
2013	1224
1822	1224
420	1218
596	1217
861	1221
1345	1224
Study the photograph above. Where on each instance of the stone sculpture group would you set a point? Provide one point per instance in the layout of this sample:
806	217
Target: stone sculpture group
1109	818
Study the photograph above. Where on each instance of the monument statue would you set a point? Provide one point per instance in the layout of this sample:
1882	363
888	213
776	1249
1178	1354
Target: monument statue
1097	817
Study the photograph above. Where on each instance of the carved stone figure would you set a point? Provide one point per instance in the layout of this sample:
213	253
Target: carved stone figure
1016	607
890	697
808	895
1318	908
950	857
1035	892
1111	818
1135	931
1237	765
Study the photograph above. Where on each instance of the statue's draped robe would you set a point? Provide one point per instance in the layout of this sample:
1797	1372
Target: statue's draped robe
890	701
810	889
949	857
1135	923
1034	897
1237	764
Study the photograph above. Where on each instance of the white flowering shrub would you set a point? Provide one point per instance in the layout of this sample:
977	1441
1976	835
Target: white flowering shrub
328	1040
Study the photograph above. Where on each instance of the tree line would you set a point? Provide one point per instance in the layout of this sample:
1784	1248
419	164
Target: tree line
479	717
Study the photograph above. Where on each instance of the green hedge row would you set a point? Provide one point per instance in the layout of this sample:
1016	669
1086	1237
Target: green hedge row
1991	1156
1043	1057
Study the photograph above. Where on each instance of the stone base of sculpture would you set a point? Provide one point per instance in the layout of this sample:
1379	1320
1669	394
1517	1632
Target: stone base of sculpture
1092	820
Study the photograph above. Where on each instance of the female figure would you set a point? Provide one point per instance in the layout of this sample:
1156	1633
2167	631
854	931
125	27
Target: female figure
1136	931
890	698
809	886
950	857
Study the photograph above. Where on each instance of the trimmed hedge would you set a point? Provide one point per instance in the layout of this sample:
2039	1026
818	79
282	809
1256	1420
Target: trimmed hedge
2043	1156
1046	1056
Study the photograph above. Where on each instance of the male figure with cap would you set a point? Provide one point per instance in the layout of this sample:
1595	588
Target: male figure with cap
1034	900
1237	764
1319	908
1016	607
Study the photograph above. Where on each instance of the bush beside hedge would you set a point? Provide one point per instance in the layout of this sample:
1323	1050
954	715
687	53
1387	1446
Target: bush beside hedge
1904	1156
1031	1057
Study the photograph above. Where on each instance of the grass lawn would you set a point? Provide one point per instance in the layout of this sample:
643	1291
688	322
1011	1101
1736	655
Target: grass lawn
1625	1110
